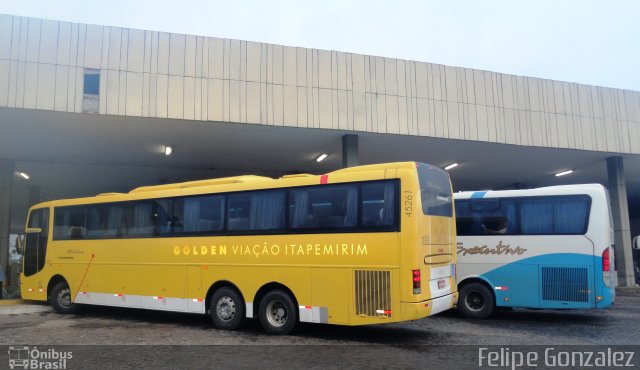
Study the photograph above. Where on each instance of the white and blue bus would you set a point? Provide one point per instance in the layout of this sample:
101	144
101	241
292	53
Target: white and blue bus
545	248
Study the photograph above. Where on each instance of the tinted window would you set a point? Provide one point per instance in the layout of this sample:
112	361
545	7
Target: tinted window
536	216
486	217
435	191
523	216
163	216
105	220
141	220
201	214
36	244
150	217
70	222
378	204
259	210
328	207
559	215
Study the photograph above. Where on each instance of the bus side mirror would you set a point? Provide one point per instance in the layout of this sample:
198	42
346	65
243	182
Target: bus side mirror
33	230
636	243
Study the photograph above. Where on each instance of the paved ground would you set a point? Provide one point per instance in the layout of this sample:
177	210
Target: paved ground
36	324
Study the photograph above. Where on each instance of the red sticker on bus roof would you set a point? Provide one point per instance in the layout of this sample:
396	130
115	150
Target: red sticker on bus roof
324	179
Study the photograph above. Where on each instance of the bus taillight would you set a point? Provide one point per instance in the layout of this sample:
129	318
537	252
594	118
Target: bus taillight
416	282
606	262
607	278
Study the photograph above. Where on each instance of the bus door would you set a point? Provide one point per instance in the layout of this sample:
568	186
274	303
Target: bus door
36	243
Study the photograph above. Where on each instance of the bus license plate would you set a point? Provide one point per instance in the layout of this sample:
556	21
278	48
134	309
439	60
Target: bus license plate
442	284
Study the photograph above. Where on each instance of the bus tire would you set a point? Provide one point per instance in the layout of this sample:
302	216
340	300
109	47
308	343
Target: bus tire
476	301
227	309
60	299
278	313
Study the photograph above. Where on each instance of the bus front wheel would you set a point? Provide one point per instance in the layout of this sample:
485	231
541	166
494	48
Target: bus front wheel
60	299
227	309
476	301
278	313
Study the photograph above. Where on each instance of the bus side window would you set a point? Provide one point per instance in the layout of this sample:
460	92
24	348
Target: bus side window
256	210
326	207
494	225
70	223
464	218
163	216
140	219
464	225
536	216
238	213
105	221
267	210
571	215
486	217
378	206
554	215
199	214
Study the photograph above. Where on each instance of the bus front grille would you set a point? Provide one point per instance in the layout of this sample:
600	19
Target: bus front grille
569	284
373	293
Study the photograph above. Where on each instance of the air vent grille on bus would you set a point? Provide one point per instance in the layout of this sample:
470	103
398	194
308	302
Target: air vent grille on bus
568	284
373	293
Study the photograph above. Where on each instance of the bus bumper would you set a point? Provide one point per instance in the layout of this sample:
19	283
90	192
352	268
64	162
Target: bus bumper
418	310
606	299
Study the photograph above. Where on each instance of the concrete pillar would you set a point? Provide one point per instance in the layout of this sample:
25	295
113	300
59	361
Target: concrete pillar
350	151
6	182
622	230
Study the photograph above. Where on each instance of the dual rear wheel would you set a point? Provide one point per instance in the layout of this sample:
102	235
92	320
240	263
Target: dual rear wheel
277	311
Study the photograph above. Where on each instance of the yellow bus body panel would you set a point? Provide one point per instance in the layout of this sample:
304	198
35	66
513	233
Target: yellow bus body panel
319	269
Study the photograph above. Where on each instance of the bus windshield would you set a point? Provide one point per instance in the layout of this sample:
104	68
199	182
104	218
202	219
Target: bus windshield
435	191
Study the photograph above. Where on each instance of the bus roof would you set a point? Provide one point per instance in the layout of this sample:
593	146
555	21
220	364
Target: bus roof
226	184
200	183
590	189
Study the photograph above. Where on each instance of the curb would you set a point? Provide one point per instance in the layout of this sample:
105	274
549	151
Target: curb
628	288
11	302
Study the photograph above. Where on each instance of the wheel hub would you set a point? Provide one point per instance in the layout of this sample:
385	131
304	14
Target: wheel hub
64	298
475	301
277	313
226	308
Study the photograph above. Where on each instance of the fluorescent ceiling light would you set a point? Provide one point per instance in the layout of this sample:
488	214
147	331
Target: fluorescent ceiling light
168	150
563	173
24	175
452	165
321	157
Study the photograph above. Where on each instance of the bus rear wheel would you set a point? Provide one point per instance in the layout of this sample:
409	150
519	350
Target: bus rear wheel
476	301
278	313
60	299
227	309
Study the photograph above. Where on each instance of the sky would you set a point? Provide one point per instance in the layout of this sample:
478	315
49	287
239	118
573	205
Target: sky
595	42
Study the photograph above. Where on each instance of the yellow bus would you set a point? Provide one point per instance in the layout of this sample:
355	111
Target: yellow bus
362	245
